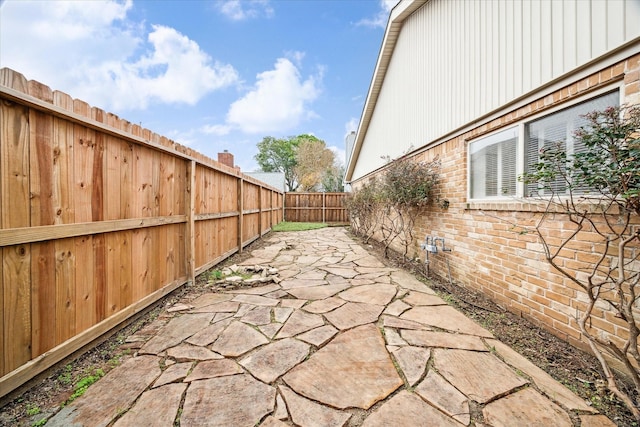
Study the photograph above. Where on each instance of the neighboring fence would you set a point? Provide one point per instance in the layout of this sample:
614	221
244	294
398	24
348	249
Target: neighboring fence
100	218
316	207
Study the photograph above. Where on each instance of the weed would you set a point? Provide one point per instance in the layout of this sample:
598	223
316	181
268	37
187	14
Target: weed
32	410
84	383
65	378
39	423
216	275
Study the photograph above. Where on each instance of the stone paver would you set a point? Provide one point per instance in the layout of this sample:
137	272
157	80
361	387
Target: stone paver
156	407
420	298
209	334
318	336
177	330
236	400
173	373
353	370
435	390
238	339
104	400
281	314
396	308
544	381
258	316
298	323
354	314
445	317
413	362
443	340
273	360
480	376
307	413
525	407
214	369
408	410
325	305
371	294
335	334
595	421
188	352
318	292
255	300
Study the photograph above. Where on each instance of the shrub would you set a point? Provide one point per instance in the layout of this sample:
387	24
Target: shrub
602	197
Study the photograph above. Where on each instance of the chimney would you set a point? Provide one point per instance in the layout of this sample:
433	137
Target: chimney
226	158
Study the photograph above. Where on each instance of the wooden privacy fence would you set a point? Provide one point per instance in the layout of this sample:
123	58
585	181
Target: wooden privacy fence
100	218
316	207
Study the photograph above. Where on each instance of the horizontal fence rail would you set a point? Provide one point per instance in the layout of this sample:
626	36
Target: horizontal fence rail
99	219
316	207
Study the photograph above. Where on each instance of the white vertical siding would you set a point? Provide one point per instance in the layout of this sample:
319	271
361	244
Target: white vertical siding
456	60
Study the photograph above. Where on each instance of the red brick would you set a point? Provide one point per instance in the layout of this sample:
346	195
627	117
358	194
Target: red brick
632	76
631	88
605	75
602	325
562	299
540	299
561	317
534	305
567	330
633	62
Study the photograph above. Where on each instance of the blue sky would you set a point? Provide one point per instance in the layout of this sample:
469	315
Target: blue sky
212	75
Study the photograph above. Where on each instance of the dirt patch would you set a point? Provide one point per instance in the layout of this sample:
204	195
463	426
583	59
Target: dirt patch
574	368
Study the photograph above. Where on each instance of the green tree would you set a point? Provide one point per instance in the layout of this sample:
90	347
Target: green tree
304	160
333	178
279	155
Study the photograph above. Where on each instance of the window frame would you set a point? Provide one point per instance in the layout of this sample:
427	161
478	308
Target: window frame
521	143
519	163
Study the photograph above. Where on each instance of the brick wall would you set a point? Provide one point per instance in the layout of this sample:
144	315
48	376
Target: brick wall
490	254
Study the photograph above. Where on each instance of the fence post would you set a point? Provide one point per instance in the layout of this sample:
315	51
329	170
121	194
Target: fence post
191	223
324	204
240	213
260	210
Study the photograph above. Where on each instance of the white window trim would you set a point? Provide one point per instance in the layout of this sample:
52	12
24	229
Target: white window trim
519	163
520	186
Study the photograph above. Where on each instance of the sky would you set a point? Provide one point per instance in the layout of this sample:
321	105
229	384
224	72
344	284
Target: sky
212	75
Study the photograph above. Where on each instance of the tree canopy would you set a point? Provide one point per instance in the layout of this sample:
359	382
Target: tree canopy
307	163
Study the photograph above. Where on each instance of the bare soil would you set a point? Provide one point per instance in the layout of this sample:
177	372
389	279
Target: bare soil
43	396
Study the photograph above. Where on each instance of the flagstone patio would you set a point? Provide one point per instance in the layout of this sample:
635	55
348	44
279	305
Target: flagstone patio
342	340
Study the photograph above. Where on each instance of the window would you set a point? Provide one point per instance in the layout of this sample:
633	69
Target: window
493	165
496	161
559	128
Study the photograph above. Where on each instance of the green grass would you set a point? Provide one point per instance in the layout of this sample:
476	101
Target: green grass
298	226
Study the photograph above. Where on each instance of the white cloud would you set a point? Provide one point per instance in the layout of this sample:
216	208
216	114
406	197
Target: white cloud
218	130
240	10
380	19
91	51
278	102
351	126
